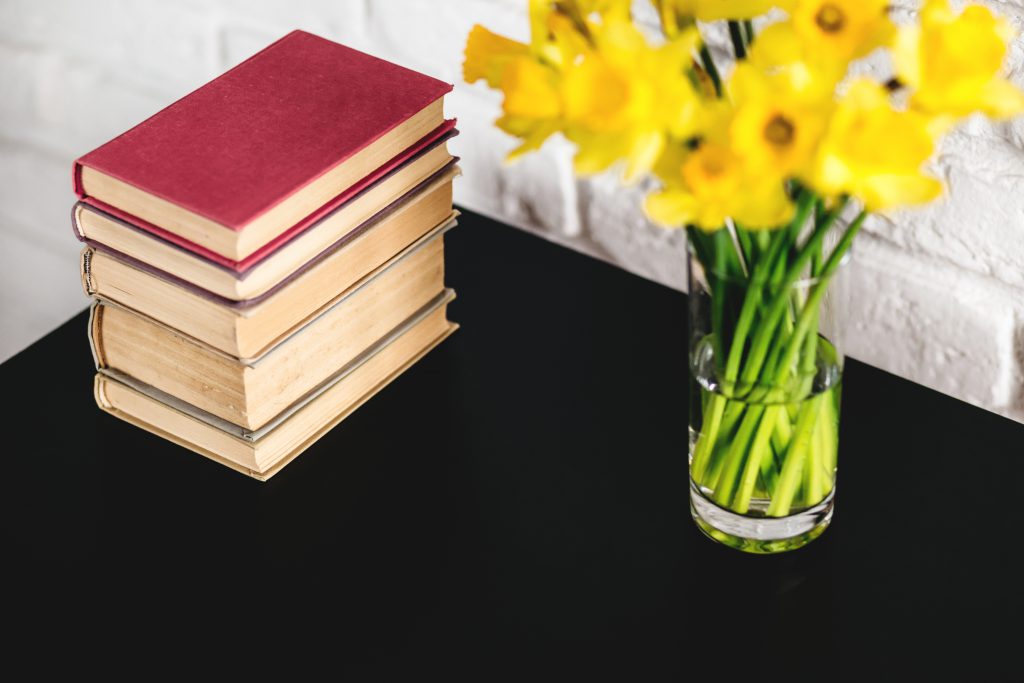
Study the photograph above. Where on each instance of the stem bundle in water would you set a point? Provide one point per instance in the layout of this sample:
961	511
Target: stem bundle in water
766	413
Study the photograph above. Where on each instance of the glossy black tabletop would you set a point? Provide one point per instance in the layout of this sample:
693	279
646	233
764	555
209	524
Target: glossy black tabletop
515	508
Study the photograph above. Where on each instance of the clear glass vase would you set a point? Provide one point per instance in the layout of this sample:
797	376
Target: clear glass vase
765	374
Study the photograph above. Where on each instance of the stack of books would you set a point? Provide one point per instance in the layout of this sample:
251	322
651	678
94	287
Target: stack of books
267	253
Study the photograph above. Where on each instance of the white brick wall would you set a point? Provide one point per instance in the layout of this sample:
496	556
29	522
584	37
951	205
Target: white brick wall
939	293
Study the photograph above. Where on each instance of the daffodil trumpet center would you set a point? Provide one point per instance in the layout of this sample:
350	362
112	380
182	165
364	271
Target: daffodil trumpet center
779	131
712	167
830	18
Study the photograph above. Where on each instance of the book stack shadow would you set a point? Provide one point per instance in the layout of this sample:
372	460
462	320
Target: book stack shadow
267	253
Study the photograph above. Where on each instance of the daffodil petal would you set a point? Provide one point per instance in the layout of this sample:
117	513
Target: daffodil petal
888	191
487	54
643	154
670	208
1001	99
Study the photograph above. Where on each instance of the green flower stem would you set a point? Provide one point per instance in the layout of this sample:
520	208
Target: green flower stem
746	248
817	258
762	239
735	456
720	450
751	300
738	44
752	297
829	437
752	442
718	295
733	412
770	466
779	269
814	479
761	392
808	365
710	430
711	249
818	478
783	433
714	472
793	461
810	312
765	331
727	433
712	418
759	453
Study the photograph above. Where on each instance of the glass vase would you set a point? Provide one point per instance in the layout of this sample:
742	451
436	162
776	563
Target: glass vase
765	375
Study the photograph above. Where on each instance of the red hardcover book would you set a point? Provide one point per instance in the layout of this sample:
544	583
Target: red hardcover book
419	154
243	159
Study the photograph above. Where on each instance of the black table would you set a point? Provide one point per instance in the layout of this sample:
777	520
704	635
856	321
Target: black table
515	508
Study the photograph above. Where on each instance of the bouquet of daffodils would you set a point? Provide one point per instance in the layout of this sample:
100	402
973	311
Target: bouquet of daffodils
770	159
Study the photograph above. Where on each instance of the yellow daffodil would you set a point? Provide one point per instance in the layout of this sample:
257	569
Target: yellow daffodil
711	184
560	30
530	90
487	54
555	40
710	180
625	98
822	36
618	9
845	29
590	73
776	125
541	10
874	152
813	73
603	96
953	62
532	107
712	10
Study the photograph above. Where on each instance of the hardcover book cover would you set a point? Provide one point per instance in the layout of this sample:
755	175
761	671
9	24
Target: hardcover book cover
238	332
262	453
445	174
252	138
243	266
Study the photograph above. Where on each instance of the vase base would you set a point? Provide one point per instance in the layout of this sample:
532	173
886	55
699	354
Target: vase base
759	535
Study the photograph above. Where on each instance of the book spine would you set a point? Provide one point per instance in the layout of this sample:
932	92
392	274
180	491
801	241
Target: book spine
87	282
99	386
76	178
76	222
95	335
